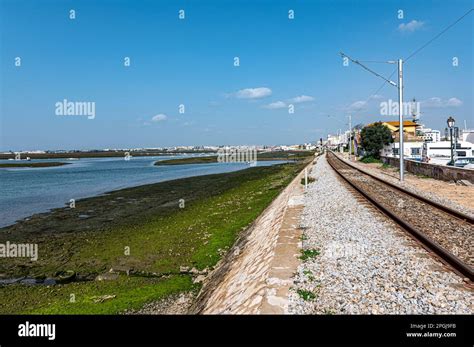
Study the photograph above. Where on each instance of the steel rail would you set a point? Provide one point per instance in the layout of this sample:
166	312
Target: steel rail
444	254
445	209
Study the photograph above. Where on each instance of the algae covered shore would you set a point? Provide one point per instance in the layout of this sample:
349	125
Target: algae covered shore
119	251
263	156
28	164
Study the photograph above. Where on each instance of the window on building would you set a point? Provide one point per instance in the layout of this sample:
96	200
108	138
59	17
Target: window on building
415	151
395	151
461	153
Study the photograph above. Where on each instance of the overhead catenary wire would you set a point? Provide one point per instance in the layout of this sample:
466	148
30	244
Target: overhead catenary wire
387	80
368	69
438	35
373	61
376	92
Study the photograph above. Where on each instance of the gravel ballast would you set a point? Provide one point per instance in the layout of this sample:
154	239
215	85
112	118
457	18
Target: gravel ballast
434	195
359	262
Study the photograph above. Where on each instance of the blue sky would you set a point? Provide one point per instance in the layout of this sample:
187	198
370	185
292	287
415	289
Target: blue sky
191	62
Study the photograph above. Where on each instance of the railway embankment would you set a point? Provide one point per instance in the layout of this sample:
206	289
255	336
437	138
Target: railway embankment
358	261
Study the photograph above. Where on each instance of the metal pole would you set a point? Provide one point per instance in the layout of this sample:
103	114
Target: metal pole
456	137
306	178
452	152
339	140
400	112
350	136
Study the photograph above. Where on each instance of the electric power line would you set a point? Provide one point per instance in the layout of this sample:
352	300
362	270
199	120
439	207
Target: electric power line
387	80
375	93
441	33
366	68
373	61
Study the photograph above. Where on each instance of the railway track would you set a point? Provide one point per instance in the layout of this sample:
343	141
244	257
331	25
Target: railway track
446	232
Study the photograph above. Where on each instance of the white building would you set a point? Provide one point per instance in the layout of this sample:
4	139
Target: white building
440	152
467	135
430	135
431	152
339	140
411	150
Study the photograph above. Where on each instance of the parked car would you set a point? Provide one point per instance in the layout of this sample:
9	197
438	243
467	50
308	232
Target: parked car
465	161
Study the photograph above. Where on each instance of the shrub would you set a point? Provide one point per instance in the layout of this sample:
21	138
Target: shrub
310	180
374	137
369	159
306	295
308	253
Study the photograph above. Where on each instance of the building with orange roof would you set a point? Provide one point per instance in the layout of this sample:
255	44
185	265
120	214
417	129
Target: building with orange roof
409	126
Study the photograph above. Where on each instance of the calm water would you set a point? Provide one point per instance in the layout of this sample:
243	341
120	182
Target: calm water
25	191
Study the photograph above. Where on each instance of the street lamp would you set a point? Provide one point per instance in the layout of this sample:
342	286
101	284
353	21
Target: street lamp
451	122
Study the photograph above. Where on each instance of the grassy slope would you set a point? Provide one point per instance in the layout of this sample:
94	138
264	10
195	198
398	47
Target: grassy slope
161	236
130	293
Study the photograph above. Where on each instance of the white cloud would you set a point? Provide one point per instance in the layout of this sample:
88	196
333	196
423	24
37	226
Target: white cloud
357	106
301	98
376	97
411	26
275	105
282	104
436	102
454	102
253	93
159	117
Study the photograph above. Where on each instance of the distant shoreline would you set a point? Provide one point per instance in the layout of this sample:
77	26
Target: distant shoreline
265	156
29	164
98	154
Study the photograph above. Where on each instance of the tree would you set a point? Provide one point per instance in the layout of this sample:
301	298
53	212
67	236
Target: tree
374	137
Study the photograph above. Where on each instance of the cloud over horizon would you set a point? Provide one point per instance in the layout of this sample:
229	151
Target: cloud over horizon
253	93
357	106
275	105
159	117
301	98
282	104
411	26
436	102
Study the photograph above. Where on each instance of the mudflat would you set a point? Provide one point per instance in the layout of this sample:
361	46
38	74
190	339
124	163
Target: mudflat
128	247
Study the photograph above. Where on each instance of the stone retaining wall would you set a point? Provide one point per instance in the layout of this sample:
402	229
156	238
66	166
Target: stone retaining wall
440	172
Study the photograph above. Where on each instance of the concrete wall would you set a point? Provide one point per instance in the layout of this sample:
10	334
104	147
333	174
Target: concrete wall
440	172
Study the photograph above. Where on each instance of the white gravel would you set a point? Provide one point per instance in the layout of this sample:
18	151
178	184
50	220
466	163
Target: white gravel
366	264
432	196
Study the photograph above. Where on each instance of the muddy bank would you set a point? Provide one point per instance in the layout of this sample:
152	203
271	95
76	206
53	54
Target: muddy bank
46	164
138	241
